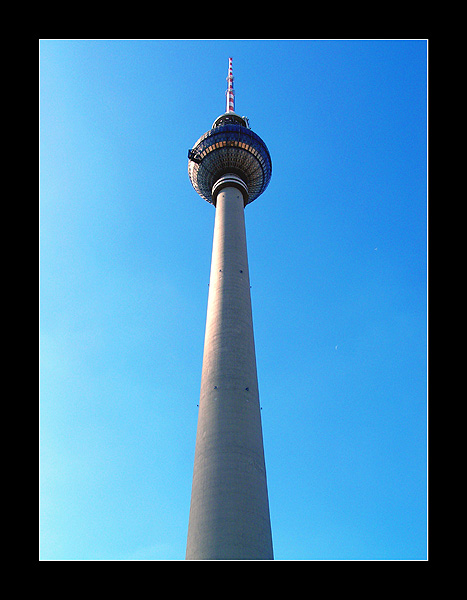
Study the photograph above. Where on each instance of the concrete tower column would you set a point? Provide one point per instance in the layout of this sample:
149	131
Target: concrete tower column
229	513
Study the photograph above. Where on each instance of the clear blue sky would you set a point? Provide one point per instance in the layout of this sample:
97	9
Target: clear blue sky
338	259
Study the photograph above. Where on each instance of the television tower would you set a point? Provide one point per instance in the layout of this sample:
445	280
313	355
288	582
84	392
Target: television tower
229	166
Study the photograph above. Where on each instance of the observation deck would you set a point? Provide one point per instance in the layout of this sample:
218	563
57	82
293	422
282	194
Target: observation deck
230	147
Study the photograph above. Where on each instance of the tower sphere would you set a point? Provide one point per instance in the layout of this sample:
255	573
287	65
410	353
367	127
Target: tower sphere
230	147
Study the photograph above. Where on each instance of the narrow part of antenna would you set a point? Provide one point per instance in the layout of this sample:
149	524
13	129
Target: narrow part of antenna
230	91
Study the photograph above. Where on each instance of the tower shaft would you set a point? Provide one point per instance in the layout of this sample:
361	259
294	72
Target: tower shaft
229	513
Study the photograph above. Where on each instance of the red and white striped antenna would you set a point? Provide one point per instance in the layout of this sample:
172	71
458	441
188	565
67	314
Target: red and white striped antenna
230	91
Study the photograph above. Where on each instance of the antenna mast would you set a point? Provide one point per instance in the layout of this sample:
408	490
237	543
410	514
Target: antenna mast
230	91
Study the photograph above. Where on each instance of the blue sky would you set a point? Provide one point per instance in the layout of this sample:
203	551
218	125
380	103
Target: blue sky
338	267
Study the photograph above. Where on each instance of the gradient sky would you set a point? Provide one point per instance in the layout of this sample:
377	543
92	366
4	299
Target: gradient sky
338	267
